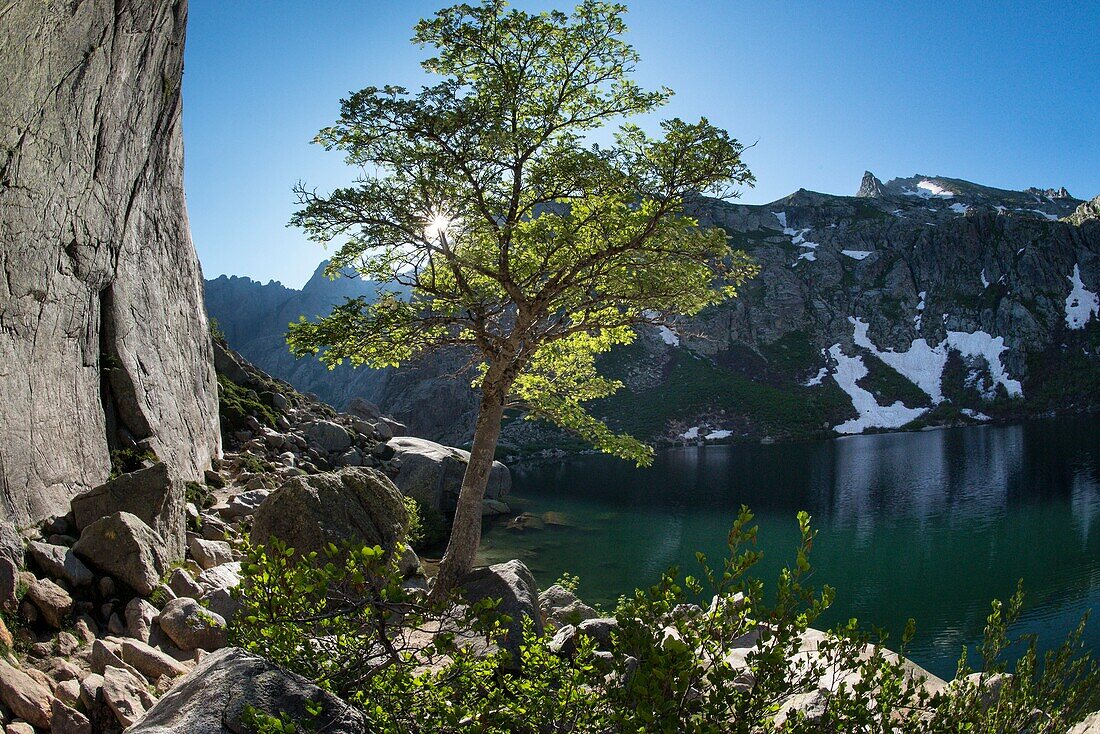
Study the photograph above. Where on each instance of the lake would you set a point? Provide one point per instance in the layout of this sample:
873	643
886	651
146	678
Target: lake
929	525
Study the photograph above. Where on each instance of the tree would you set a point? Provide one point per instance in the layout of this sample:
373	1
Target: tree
519	240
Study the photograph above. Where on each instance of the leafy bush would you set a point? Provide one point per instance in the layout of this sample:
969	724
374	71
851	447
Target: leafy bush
748	661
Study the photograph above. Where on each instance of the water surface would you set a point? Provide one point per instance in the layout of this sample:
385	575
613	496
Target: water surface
929	525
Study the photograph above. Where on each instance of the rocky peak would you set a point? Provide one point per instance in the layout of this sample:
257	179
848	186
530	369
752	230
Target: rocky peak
1088	210
1059	193
870	187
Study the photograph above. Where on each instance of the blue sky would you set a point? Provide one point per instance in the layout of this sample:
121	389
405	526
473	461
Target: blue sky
1002	93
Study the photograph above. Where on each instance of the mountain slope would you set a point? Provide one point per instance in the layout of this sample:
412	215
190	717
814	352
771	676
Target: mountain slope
923	300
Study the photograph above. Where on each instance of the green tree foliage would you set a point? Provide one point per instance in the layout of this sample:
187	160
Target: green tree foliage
746	661
519	241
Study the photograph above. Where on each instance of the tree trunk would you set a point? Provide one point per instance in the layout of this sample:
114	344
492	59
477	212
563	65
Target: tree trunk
466	531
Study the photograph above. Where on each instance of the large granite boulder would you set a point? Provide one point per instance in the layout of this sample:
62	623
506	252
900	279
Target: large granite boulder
213	698
432	473
123	546
513	585
355	505
103	338
151	493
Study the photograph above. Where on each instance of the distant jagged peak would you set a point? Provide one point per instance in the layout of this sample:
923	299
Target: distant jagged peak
1058	193
870	187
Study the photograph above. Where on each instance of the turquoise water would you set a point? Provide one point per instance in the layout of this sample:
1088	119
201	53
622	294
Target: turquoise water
929	525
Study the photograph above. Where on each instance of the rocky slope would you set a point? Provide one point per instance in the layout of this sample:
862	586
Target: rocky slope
923	300
103	339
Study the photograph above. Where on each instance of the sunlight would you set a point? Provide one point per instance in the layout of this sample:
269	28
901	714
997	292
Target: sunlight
437	225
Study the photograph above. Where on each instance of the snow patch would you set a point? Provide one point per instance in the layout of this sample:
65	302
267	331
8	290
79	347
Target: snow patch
1001	209
856	254
971	413
808	255
981	344
985	281
1046	215
782	217
928	189
1081	303
959	208
818	378
690	434
921	364
713	435
919	318
668	336
850	370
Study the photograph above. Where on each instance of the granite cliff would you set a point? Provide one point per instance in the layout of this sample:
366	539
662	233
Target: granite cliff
104	344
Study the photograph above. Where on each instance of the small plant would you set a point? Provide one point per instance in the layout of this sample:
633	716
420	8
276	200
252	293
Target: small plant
569	582
124	461
199	495
260	722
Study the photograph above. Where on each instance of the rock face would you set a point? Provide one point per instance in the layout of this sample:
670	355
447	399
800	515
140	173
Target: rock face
213	698
432	473
923	300
103	339
354	505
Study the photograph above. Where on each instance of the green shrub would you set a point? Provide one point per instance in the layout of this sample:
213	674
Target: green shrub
236	404
124	461
352	628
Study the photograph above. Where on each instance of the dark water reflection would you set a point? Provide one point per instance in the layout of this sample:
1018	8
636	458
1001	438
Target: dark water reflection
931	525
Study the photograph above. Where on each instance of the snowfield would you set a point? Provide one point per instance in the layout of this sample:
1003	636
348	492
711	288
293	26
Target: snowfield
922	364
850	370
856	254
1081	303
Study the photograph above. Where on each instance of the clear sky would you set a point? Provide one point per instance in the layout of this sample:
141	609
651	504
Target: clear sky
1002	93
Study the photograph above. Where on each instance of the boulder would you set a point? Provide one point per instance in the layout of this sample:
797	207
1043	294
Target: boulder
24	696
150	493
432	473
52	601
222	603
139	618
244	504
183	584
9	582
226	576
513	584
1091	725
151	662
213	698
104	339
600	629
60	563
123	546
356	506
192	627
560	606
125	695
67	720
209	553
329	436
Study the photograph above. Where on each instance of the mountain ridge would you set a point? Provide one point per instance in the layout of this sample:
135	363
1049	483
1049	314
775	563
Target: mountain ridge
924	301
